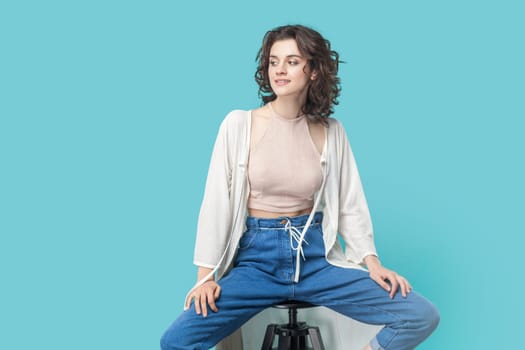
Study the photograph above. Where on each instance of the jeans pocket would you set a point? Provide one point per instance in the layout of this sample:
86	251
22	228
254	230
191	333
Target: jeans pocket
247	239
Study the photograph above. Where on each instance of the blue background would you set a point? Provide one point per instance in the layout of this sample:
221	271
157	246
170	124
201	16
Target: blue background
109	110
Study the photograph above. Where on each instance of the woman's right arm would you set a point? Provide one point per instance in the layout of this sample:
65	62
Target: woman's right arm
206	294
216	215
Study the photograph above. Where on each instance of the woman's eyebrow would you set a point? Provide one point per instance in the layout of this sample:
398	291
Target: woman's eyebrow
288	56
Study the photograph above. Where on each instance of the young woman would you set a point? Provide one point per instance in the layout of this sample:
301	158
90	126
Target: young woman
282	184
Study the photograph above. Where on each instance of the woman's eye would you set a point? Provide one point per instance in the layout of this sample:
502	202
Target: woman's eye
273	63
293	63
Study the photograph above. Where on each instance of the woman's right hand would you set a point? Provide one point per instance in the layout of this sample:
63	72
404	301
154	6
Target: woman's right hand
204	296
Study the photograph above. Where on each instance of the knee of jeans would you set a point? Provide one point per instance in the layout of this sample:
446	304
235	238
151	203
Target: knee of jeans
178	337
429	317
169	341
164	343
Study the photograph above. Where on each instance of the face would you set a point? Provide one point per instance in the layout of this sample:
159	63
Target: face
288	70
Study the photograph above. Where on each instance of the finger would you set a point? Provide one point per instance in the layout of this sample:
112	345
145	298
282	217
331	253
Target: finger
403	286
196	301
187	303
211	301
381	282
217	292
395	285
407	285
204	306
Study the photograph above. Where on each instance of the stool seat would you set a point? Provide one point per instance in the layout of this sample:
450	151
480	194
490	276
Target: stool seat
293	303
293	335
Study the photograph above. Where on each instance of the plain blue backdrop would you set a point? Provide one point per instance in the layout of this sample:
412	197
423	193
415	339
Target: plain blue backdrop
109	110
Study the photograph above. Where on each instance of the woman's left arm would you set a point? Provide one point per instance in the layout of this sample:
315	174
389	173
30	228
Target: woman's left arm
355	224
381	274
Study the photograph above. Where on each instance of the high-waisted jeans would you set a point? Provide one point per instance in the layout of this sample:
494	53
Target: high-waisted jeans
263	275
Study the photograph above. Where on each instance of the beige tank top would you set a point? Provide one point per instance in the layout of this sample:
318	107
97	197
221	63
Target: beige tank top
284	168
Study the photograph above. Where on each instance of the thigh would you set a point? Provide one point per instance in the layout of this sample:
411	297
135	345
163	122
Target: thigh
244	293
353	293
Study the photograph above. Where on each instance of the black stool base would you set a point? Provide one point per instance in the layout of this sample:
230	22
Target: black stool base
292	337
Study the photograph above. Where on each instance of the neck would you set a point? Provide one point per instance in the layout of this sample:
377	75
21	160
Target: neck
287	107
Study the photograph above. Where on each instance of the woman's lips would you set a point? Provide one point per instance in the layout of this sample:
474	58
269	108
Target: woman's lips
281	82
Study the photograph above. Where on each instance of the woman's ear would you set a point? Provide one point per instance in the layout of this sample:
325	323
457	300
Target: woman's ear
313	76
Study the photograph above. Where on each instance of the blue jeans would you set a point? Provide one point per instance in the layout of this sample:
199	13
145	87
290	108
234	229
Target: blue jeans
263	275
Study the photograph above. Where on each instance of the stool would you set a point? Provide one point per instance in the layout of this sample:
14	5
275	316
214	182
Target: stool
292	336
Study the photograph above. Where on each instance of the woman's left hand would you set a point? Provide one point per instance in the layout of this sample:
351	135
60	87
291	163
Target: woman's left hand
380	275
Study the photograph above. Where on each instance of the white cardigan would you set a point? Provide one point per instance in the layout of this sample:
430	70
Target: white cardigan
224	207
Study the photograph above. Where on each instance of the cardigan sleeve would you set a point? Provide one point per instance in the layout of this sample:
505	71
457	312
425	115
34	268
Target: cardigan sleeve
355	224
214	221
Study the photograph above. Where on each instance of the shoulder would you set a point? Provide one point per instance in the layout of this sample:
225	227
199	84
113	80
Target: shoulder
333	122
236	117
335	127
234	126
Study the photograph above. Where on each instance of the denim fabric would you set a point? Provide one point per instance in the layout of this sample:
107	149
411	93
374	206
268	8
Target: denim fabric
263	275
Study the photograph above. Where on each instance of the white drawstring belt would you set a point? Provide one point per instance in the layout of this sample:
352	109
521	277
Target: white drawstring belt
298	237
295	235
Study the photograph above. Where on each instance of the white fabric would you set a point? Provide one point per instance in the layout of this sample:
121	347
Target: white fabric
223	211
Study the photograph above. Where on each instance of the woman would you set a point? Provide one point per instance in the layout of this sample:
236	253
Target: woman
282	184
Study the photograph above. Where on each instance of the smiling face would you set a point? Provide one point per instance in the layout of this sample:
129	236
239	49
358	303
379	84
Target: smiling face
288	70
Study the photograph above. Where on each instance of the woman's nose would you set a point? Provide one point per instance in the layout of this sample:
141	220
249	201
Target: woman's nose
281	69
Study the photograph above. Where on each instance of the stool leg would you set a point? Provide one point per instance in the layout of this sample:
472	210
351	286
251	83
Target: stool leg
315	337
268	337
301	342
285	343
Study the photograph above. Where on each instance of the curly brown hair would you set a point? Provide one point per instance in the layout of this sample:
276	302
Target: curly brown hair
323	91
